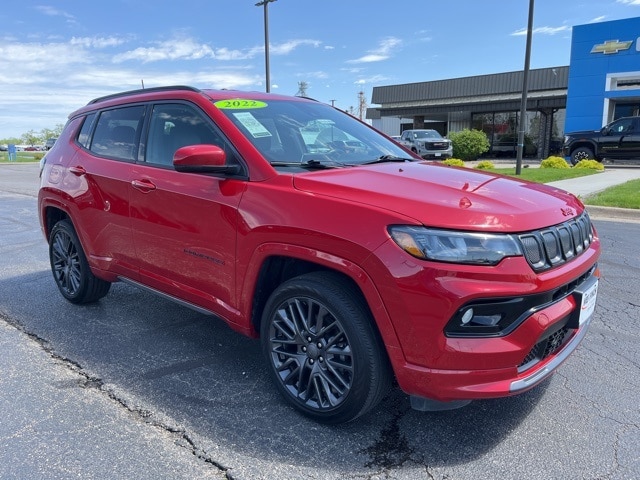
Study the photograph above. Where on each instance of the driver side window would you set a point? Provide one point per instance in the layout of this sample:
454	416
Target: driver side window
173	126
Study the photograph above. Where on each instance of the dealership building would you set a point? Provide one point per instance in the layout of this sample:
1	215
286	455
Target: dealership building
601	84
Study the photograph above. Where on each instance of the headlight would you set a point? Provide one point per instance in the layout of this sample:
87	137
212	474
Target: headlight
567	138
453	246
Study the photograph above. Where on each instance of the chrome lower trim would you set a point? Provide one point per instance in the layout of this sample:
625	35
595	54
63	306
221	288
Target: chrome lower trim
536	377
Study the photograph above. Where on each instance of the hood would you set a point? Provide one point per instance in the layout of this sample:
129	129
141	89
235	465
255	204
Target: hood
447	197
583	133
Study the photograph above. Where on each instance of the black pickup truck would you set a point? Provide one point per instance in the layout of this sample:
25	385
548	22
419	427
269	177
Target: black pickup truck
618	140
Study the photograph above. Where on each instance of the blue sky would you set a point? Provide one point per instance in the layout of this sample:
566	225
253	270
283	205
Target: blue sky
56	56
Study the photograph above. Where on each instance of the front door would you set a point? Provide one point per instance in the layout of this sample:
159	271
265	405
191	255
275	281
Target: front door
184	224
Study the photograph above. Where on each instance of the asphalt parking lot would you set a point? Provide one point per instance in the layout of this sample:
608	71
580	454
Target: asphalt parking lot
136	387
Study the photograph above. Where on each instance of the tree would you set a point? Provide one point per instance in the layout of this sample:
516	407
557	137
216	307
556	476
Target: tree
30	138
37	138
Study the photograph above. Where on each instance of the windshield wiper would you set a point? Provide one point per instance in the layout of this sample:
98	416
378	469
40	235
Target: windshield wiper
311	164
389	158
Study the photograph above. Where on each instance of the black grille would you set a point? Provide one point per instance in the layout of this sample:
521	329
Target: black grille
541	350
556	245
436	145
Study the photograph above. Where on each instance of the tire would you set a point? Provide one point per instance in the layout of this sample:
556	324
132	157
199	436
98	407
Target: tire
581	153
323	351
70	268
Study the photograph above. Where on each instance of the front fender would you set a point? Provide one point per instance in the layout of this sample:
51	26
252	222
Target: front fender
327	260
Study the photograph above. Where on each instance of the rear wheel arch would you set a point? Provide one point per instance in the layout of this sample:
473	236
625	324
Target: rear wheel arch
70	268
51	216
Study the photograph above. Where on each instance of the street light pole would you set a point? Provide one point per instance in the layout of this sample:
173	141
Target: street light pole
525	87
266	3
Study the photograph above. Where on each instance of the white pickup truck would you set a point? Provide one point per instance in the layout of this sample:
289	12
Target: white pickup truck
427	143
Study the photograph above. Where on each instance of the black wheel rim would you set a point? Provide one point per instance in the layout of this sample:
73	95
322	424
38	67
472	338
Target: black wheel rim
311	353
65	261
581	156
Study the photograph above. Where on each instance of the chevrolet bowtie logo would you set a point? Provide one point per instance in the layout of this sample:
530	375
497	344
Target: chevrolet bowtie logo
611	46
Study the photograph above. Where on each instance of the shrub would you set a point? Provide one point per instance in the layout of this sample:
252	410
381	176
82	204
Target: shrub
453	162
485	165
554	162
592	164
469	144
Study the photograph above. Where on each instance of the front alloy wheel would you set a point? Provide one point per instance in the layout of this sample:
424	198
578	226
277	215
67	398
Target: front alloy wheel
324	354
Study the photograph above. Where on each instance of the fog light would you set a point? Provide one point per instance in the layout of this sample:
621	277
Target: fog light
468	315
487	320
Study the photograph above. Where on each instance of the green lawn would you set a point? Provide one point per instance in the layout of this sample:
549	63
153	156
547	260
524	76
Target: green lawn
626	195
545	175
22	157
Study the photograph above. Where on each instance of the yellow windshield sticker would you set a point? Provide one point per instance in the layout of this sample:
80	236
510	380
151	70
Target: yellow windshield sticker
239	104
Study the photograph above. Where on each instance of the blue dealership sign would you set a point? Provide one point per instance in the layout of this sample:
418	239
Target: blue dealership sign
604	75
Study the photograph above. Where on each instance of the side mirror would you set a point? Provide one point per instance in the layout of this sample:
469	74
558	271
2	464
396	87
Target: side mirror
605	131
202	159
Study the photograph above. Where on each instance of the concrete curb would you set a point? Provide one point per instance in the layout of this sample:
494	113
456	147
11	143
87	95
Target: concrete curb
613	213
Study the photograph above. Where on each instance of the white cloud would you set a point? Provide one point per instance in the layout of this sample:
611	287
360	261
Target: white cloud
543	30
97	42
629	2
189	49
175	49
283	48
372	80
55	12
383	52
288	47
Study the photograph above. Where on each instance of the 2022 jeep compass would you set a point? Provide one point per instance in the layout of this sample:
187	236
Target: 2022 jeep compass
354	261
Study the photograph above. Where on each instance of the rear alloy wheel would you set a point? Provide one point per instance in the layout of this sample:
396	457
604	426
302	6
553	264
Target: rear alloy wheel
322	348
582	153
71	271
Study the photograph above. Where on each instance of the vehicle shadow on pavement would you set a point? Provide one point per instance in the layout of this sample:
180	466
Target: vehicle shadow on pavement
183	371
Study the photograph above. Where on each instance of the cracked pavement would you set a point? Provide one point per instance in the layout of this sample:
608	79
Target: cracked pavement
136	387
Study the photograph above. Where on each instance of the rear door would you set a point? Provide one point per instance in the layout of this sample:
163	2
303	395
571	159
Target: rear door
102	171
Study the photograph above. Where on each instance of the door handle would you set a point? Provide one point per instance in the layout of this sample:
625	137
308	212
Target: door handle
145	186
78	170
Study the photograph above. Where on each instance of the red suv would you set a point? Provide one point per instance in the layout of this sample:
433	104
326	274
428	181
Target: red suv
354	261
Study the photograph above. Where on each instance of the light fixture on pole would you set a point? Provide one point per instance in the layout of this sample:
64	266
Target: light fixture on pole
266	3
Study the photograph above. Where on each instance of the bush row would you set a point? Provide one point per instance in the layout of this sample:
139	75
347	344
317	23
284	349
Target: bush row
551	162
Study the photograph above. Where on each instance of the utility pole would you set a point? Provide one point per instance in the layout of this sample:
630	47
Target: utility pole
302	89
362	105
266	3
525	87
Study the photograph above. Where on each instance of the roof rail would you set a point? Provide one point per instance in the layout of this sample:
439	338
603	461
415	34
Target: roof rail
142	90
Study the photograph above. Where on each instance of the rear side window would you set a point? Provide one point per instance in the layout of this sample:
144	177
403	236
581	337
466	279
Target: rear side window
84	137
117	133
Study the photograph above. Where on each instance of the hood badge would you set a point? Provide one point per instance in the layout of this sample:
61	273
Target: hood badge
567	212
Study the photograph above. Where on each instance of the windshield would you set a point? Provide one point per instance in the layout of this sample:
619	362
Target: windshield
290	133
427	134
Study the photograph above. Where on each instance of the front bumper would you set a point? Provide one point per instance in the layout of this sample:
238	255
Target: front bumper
556	332
437	154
